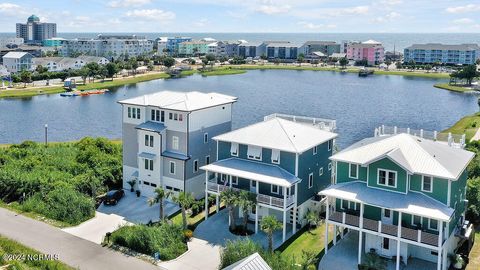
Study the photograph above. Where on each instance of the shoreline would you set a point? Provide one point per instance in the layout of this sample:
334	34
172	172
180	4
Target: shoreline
454	88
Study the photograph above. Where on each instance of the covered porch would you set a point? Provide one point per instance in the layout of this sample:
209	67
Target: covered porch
245	175
383	227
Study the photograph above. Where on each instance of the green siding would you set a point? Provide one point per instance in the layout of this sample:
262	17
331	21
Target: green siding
388	165
343	173
439	191
457	198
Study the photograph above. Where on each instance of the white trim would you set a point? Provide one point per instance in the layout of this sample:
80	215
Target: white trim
431	184
296	164
310	175
350	170
278	156
252	151
449	192
430	228
175	142
412	221
387	172
320	171
330	166
329	144
170	167
271	189
205	136
232	145
236	180
315	150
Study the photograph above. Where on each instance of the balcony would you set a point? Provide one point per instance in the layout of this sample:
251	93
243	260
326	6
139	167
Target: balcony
418	236
261	198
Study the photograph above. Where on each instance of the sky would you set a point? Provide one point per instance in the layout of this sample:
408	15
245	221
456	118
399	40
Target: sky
283	16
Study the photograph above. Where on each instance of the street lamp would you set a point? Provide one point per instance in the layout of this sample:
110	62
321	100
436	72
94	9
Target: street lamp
46	135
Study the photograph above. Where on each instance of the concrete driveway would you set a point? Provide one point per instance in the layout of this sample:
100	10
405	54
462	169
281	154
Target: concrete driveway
136	209
95	229
201	255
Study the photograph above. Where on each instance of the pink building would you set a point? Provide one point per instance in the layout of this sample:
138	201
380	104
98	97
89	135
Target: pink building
370	50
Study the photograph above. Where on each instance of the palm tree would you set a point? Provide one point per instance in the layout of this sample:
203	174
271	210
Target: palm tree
247	201
160	195
313	218
230	198
269	225
185	200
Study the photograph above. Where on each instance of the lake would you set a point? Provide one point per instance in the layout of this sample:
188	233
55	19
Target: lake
358	104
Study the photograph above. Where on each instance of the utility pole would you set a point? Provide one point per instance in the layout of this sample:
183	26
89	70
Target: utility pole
46	135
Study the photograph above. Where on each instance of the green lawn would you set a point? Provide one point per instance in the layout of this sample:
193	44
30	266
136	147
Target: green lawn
192	221
467	125
308	241
8	246
474	256
449	87
222	71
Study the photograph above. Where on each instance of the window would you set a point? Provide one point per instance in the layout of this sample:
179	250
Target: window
274	189
170	116
149	140
134	113
275	156
195	165
234	180
149	164
387	178
417	221
343	204
180	117
162	116
254	152
433	224
387	213
315	150
205	138
138	113
207	160
352	205
129	112
234	149
310	180
175	116
320	171
353	171
386	243
427	183
223	178
330	166
329	145
172	167
175	142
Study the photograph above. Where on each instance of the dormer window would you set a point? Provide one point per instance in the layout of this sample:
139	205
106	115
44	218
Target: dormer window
275	156
254	152
427	183
387	178
353	171
234	149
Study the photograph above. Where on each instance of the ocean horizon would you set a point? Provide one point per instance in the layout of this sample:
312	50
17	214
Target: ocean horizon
391	41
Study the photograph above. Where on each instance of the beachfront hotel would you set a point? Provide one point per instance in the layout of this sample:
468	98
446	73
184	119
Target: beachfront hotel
283	160
372	51
400	196
460	54
167	137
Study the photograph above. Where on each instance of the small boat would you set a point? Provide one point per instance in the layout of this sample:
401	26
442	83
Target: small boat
67	94
365	72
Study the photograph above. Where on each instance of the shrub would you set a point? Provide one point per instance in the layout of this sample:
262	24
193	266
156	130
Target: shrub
188	234
166	239
237	250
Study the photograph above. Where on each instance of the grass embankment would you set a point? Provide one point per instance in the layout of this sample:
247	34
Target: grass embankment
193	221
468	125
305	240
455	88
33	91
217	71
30	259
474	256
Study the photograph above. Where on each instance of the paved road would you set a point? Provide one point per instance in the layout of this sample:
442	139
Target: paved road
72	250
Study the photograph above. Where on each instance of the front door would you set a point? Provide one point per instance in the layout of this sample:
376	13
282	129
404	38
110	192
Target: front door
387	216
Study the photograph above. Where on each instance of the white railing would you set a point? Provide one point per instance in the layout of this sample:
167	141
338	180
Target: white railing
454	140
321	123
389	229
261	198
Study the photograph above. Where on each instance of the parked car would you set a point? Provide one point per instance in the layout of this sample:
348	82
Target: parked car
113	196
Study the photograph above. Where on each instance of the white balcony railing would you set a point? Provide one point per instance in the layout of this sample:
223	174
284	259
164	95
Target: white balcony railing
389	229
454	140
261	198
321	123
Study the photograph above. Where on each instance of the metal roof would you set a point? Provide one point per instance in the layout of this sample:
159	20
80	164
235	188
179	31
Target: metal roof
258	171
414	154
252	262
181	101
439	46
281	134
413	203
16	54
174	155
151	126
147	155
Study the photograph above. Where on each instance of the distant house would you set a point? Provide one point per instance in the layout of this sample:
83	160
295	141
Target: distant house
326	47
55	64
249	49
460	54
3	71
17	61
252	262
282	50
93	59
372	51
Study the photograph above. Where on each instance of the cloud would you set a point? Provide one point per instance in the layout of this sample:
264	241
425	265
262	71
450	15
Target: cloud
11	9
151	14
387	18
463	21
201	23
463	9
312	26
128	3
271	9
391	2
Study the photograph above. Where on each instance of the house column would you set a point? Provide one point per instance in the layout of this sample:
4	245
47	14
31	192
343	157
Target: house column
326	226
256	218
335	234
294	230
206	195
360	234
399	235
217	202
284	234
440	242
230	181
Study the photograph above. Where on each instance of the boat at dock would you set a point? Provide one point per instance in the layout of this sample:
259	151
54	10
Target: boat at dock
364	72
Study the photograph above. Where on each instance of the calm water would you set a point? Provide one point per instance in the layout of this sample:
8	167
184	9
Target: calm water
358	104
389	40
